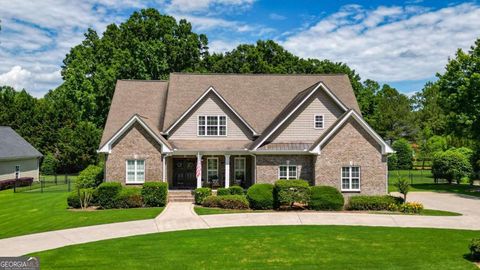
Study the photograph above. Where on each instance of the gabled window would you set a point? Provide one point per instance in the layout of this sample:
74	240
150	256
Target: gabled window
351	178
318	121
212	125
287	172
135	171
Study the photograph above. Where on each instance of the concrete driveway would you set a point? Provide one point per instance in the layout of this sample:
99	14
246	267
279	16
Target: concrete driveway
464	204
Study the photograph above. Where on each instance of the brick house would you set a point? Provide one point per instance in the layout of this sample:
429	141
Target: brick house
219	130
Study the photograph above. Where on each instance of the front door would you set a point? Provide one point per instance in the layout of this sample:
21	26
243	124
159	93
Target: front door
184	173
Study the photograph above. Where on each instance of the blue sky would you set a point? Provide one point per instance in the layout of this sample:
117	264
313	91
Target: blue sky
403	43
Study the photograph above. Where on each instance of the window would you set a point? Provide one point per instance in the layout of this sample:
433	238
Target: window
212	168
287	172
351	178
212	125
318	121
239	168
135	171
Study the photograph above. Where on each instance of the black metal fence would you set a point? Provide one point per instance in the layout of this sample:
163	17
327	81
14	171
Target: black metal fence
413	176
47	183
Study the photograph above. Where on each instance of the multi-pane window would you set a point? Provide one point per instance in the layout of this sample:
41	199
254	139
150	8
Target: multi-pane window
135	171
351	178
287	172
318	119
239	168
212	168
212	125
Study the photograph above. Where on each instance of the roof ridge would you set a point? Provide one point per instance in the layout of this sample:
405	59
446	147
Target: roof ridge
140	80
262	74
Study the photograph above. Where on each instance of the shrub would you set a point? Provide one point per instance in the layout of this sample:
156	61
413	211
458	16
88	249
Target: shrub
212	201
73	200
107	193
404	154
372	202
201	194
325	198
403	186
223	191
21	182
155	193
260	196
288	192
451	165
475	248
411	207
85	197
236	190
91	177
227	202
49	164
129	197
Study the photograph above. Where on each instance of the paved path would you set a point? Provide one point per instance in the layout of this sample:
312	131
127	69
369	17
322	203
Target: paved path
180	216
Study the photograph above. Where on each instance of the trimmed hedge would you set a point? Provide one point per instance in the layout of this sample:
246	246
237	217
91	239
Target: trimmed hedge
201	194
260	196
227	202
288	192
155	193
107	193
21	182
236	190
325	198
129	197
223	191
73	200
373	202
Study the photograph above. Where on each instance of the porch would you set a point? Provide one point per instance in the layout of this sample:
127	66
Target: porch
216	170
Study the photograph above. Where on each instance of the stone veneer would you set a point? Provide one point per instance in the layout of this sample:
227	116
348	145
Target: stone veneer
352	145
136	143
267	167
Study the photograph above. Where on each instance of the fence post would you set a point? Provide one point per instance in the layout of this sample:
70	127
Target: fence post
41	186
66	175
69	185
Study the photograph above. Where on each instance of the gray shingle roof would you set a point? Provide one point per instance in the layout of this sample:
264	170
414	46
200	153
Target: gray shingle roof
14	146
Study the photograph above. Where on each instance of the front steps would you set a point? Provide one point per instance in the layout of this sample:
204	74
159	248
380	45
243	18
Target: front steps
180	196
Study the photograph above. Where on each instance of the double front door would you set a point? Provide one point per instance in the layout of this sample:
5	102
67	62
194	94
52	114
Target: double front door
184	173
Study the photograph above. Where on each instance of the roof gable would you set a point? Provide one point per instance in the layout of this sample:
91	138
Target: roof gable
13	146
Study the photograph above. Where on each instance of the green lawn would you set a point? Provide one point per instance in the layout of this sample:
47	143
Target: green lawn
278	247
423	181
32	212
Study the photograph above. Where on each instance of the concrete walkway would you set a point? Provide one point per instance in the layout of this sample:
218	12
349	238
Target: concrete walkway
180	216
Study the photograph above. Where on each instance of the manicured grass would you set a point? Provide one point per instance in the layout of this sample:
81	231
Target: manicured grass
32	212
215	211
273	247
424	212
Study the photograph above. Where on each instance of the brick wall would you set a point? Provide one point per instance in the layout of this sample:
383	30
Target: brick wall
267	167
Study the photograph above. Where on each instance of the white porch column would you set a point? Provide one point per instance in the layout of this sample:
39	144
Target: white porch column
227	171
198	170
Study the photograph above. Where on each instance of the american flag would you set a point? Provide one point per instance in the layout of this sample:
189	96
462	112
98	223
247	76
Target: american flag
199	166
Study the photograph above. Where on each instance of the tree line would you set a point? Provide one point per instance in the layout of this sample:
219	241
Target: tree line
66	124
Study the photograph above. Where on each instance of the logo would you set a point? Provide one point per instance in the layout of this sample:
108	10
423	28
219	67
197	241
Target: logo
19	263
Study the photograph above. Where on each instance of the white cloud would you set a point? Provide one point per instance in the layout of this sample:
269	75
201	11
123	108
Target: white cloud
390	43
221	46
189	6
276	17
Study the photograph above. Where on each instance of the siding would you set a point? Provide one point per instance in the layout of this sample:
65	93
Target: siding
28	168
301	128
187	130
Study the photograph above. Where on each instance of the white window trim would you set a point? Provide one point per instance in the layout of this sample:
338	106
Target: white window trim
288	171
218	165
218	125
315	121
240	169
135	172
350	178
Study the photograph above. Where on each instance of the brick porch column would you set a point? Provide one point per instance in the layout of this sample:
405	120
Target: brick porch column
227	171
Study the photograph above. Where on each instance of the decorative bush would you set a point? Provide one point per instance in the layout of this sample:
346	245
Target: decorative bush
373	202
227	202
49	164
21	182
129	197
260	196
411	207
236	190
325	198
155	193
212	201
107	193
201	194
288	192
223	191
475	248
451	165
73	199
403	187
85	197
91	177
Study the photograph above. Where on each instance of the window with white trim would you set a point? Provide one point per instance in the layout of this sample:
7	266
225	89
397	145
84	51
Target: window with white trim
212	125
239	164
135	171
287	172
351	178
318	121
212	168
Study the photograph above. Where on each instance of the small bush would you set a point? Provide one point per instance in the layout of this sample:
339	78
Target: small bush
288	192
201	194
223	191
212	201
73	200
85	196
129	197
155	194
91	177
49	164
236	190
475	249
373	203
411	207
107	193
260	196
227	202
21	182
325	198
